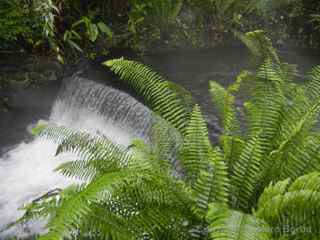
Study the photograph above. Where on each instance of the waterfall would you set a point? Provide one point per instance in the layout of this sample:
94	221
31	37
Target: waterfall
27	170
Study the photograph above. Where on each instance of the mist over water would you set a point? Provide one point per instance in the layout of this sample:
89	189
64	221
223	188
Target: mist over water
27	170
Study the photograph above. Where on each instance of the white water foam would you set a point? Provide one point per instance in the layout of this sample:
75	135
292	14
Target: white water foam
26	172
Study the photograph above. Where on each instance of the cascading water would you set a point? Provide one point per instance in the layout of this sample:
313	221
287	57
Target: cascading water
27	170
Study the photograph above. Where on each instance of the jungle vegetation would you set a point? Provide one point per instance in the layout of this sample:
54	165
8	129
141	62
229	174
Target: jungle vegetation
70	28
260	182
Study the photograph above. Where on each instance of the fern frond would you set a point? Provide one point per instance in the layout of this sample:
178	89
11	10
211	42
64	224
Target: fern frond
165	143
285	114
264	113
152	205
144	208
212	185
87	146
203	192
294	210
86	170
226	224
84	145
75	209
270	71
103	224
221	181
163	11
274	111
247	174
160	95
232	147
42	207
300	157
224	101
54	133
298	126
272	191
266	103
290	73
132	200
312	162
264	117
259	45
97	154
306	182
224	8
312	88
195	150
298	119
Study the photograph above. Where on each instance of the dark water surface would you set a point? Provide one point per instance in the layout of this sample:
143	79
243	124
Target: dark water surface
27	106
193	70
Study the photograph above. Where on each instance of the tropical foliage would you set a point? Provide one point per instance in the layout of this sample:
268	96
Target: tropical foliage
14	21
261	182
71	28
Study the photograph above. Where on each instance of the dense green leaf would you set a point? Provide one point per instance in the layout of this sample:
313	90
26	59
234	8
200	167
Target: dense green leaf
162	96
226	224
292	210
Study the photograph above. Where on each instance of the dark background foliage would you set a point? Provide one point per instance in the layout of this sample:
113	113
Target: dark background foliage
70	27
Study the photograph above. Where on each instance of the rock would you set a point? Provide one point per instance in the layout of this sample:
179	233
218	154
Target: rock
53	77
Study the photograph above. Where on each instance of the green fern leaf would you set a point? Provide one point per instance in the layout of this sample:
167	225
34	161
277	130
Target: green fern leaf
75	209
165	143
163	97
225	103
294	210
259	45
212	185
247	173
97	154
298	119
195	151
232	147
226	224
